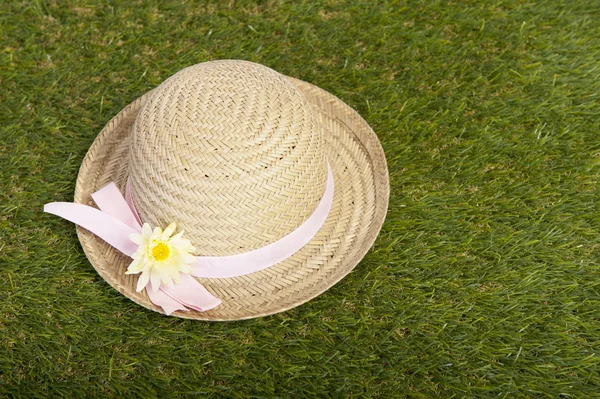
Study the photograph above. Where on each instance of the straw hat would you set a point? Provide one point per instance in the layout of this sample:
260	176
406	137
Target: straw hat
237	155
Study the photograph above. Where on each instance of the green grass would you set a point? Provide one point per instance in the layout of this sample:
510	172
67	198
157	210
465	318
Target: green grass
485	280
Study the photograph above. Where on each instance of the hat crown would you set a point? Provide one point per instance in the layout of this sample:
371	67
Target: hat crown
232	152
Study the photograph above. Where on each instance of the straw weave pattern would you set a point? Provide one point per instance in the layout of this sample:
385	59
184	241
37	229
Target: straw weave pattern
229	150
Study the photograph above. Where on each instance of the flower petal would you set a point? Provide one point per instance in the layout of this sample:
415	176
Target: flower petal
189	259
168	231
183	268
177	236
146	230
143	281
166	279
174	273
136	238
135	267
154	279
182	244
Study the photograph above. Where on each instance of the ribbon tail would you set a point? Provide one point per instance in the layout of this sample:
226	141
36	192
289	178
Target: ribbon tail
109	229
189	293
168	304
110	200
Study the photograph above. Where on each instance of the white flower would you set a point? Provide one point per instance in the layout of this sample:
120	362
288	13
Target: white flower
160	257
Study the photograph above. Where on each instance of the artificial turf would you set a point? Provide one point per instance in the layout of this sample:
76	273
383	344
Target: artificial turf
484	281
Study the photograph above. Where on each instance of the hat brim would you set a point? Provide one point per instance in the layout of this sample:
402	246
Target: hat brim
358	211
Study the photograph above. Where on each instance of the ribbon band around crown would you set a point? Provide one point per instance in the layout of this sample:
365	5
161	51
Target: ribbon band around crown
117	219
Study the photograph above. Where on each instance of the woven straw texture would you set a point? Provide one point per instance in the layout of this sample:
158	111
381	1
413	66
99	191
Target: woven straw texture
237	159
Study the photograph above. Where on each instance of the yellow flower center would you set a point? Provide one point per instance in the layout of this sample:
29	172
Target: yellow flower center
161	251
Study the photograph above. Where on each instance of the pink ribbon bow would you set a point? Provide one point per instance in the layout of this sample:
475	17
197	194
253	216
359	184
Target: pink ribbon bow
117	218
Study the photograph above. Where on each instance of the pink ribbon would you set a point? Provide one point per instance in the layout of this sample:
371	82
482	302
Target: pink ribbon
117	218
